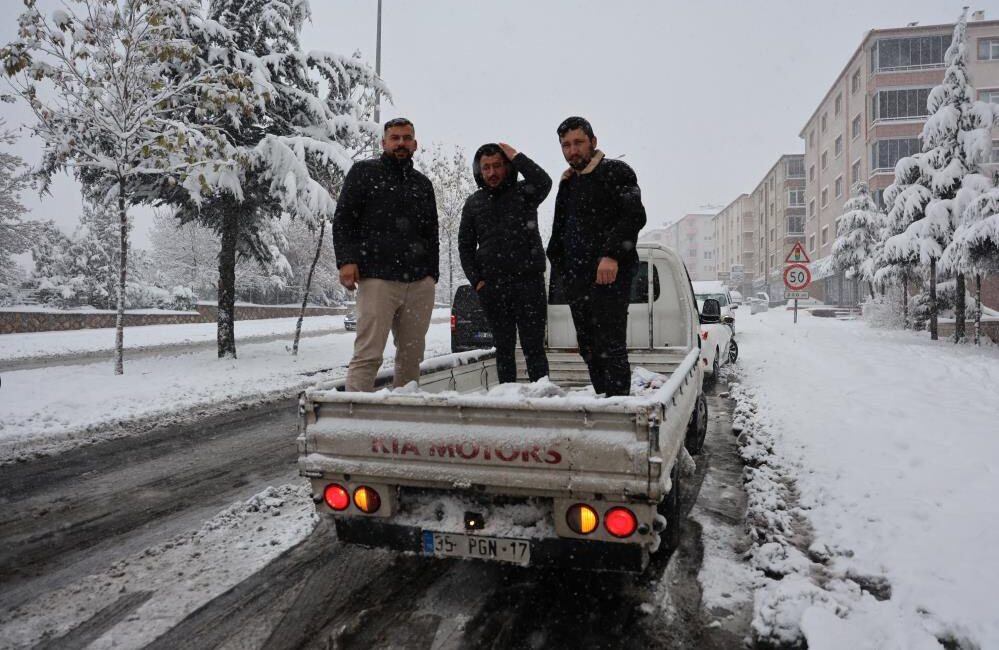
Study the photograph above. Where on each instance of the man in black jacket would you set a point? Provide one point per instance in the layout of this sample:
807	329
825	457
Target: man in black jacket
598	213
386	243
503	257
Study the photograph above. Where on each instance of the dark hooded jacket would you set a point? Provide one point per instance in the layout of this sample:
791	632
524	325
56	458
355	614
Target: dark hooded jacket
598	213
498	238
386	221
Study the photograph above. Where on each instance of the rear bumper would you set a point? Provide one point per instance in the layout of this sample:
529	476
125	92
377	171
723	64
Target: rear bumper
549	552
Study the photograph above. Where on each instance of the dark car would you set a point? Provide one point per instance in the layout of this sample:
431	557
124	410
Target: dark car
470	328
350	322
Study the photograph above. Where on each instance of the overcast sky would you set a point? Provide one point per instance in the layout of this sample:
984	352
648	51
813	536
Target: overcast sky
700	98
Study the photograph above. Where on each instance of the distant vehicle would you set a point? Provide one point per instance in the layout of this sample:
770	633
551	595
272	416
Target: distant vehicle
470	329
759	302
736	297
350	322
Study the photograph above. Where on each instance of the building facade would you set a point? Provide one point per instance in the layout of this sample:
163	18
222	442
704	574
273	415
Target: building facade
872	116
735	252
779	202
692	236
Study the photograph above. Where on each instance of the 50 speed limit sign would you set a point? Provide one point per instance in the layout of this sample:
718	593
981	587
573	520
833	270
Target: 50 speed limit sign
797	277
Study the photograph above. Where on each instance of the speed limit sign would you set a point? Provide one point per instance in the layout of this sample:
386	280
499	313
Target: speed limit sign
797	277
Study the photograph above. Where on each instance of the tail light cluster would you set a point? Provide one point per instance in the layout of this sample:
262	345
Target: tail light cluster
454	322
619	521
365	499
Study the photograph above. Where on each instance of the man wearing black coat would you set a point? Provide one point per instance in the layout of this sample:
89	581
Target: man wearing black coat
386	242
598	213
503	257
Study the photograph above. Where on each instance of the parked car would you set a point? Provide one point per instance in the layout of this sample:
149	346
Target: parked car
718	346
736	297
470	329
759	302
717	291
350	322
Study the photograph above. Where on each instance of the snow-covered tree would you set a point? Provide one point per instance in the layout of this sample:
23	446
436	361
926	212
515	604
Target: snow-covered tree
897	258
975	246
16	235
108	82
311	109
857	231
183	254
451	174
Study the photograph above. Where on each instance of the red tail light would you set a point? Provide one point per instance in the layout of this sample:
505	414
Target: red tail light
454	322
367	500
336	497
704	336
620	522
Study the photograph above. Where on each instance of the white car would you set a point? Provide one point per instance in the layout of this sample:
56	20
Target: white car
718	346
759	302
718	291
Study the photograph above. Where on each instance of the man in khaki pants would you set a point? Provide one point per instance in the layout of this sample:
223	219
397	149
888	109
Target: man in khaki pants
386	242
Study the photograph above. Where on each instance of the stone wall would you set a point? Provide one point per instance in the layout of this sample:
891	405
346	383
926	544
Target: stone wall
13	322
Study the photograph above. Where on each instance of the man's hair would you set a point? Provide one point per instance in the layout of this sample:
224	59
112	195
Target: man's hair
573	123
397	121
491	150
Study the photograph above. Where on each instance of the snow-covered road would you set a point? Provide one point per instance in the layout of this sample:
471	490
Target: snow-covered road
891	440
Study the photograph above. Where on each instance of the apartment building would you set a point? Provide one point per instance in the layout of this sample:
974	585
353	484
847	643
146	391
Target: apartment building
779	201
873	115
735	251
692	236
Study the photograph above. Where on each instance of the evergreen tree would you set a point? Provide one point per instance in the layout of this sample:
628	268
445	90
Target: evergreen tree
16	235
451	175
897	257
857	231
289	139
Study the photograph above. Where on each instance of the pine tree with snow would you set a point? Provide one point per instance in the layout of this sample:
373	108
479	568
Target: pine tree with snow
107	81
975	246
857	231
451	175
290	139
896	257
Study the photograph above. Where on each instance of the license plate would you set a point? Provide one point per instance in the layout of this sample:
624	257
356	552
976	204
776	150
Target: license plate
517	551
483	337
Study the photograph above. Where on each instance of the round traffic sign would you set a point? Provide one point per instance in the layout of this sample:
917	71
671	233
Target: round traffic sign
797	277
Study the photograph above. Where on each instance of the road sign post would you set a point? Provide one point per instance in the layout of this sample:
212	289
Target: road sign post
797	276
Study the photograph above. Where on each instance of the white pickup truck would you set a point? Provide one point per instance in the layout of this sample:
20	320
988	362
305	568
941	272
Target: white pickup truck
532	474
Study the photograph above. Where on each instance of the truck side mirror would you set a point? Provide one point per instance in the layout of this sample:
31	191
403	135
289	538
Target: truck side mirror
710	312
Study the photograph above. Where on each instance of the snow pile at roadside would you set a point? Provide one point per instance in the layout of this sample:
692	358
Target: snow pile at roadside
176	577
54	408
870	484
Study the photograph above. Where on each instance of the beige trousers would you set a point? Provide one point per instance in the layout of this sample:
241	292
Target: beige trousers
384	306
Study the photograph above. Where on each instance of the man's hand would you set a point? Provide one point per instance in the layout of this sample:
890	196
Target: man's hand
480	284
509	151
349	275
607	270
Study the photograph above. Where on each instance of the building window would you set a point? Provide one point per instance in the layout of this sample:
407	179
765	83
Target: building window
989	96
795	168
796	197
825	160
879	198
692	253
838	104
855	172
825	235
825	196
771	261
707	255
904	104
811	208
825	122
855	129
839	186
916	53
838	146
773	234
988	49
811	173
796	225
885	153
855	81
811	243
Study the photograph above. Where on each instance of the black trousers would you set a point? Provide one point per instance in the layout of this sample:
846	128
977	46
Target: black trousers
600	315
517	305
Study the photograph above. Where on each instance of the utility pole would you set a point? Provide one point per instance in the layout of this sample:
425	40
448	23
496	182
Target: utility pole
378	65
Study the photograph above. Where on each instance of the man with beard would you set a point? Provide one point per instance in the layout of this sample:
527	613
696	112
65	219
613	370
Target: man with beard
386	243
503	256
598	213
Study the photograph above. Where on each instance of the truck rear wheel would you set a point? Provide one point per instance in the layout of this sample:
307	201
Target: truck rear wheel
697	428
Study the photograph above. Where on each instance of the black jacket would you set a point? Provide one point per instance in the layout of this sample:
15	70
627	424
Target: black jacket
598	213
386	221
498	237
